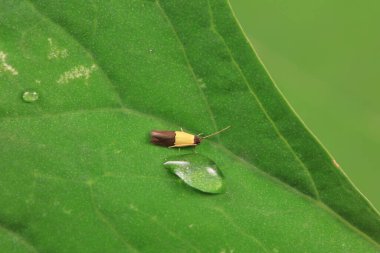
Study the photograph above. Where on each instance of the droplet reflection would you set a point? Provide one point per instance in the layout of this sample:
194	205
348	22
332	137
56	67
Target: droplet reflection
30	96
197	171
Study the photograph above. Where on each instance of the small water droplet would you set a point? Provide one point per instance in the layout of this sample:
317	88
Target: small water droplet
197	171
30	96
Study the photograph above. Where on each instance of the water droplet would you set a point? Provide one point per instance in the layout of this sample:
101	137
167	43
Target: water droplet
197	171
30	96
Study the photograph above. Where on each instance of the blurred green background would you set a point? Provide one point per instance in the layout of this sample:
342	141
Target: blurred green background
325	58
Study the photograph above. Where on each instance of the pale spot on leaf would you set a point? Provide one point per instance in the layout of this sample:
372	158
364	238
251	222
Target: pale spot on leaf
4	66
336	164
56	52
118	151
77	72
67	211
202	84
133	207
90	182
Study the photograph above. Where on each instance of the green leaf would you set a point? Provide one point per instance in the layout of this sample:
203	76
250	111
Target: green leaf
78	173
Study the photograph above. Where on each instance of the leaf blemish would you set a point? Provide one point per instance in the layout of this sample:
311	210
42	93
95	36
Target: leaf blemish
118	151
202	84
4	66
67	211
56	52
90	182
76	73
336	164
133	207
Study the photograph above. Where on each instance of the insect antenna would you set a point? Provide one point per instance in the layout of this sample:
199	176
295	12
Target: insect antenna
218	132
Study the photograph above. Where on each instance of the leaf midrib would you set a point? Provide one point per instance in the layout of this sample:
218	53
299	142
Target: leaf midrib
124	108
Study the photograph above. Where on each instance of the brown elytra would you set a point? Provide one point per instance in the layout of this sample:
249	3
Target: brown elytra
163	138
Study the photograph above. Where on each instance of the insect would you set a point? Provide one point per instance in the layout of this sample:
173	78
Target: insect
177	139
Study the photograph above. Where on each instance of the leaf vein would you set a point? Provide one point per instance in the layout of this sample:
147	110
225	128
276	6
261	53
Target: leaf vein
19	238
154	219
106	222
239	229
194	76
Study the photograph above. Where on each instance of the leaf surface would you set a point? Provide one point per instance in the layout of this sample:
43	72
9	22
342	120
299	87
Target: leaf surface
78	173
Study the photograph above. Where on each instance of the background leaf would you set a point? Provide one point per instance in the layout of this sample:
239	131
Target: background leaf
330	82
78	172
